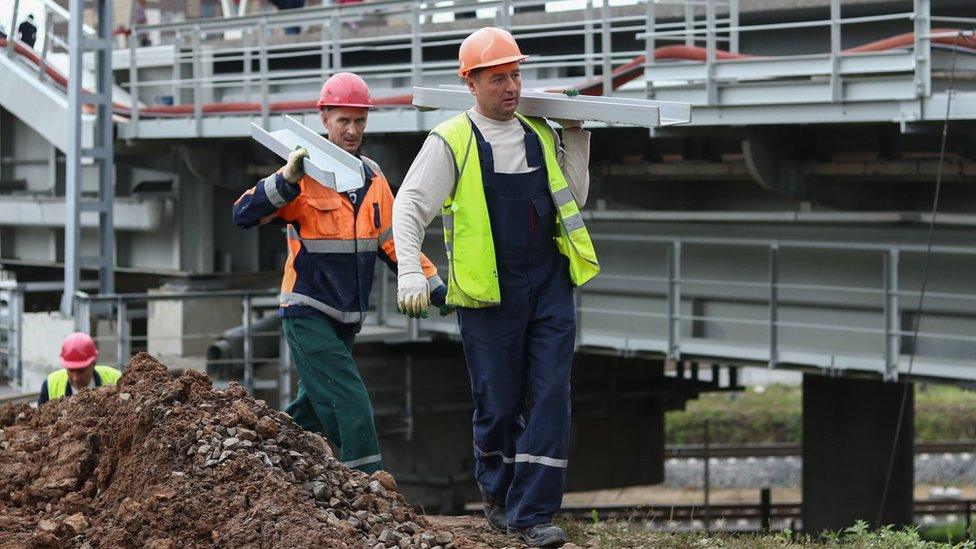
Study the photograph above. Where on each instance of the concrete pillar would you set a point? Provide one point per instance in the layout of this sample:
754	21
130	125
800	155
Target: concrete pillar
848	432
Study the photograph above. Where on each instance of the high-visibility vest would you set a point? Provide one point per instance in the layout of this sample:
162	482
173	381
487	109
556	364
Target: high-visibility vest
57	381
467	228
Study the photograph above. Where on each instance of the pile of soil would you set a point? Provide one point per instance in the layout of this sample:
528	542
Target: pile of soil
165	462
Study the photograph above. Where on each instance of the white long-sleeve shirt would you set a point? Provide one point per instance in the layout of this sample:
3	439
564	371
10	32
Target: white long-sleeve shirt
433	176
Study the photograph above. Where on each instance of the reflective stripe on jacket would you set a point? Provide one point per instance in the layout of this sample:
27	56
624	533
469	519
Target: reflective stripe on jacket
332	249
467	229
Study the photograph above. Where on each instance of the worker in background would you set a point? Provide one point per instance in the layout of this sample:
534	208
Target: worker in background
509	191
27	31
333	241
79	371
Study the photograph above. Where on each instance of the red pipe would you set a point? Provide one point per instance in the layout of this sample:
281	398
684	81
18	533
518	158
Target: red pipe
594	86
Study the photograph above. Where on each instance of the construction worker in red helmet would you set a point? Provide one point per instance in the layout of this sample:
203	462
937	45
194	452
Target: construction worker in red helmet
333	242
78	370
509	191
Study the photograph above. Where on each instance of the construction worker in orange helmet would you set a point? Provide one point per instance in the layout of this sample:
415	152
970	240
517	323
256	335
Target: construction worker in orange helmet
78	370
333	242
509	191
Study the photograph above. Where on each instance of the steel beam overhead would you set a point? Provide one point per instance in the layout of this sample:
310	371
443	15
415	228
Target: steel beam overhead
327	163
616	110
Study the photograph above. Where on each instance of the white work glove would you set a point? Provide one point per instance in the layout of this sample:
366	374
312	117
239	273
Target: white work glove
295	168
413	295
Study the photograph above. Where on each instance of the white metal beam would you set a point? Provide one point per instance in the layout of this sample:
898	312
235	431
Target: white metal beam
615	110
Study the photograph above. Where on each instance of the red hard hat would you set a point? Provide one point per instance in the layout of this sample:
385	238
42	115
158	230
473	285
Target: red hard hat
345	89
78	351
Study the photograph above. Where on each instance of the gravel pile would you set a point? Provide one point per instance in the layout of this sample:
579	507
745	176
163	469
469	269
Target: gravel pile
162	463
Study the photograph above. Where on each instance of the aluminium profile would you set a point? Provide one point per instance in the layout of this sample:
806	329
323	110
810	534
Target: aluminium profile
327	163
610	110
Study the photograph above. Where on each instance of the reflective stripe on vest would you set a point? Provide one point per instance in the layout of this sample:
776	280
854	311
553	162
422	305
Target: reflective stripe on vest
467	229
57	381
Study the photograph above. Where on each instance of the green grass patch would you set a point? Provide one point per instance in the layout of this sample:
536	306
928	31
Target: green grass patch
774	414
623	534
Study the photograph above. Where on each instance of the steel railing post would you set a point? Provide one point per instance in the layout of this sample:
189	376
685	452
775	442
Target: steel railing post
773	304
606	47
247	36
284	372
12	36
689	24
408	398
674	300
177	67
197	75
416	56
734	24
336	36
923	48
650	43
892	324
263	69
248	358
383	307
45	45
588	46
836	86
711	88
15	338
325	35
133	82
120	335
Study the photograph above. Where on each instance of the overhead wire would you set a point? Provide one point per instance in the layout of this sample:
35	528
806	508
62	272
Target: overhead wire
925	277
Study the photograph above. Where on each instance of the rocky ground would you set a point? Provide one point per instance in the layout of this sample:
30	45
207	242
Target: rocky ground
166	462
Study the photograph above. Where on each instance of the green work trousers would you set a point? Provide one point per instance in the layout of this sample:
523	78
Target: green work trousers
332	399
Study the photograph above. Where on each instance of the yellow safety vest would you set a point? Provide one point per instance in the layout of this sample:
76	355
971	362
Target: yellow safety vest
57	381
467	228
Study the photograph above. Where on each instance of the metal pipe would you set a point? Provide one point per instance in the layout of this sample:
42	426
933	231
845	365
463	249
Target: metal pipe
773	305
836	87
588	46
120	325
892	316
248	358
605	47
674	300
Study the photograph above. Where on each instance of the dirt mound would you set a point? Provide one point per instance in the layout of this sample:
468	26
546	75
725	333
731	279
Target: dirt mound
163	462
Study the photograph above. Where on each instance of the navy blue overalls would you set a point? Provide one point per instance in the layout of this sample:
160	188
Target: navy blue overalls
522	348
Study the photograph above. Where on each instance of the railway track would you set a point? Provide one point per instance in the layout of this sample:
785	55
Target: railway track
755	514
773	449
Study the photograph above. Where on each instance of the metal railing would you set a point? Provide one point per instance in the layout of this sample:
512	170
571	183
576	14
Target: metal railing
708	29
257	43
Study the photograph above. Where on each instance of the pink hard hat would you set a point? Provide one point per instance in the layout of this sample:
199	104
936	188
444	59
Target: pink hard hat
345	89
78	351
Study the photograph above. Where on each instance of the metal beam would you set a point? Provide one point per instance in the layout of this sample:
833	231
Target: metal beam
616	110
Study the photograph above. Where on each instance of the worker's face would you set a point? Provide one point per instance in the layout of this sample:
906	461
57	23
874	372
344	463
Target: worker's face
497	90
81	377
346	126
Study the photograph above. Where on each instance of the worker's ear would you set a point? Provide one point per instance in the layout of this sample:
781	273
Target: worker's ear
470	81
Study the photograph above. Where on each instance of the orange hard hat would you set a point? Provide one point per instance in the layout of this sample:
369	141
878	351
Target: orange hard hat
345	89
78	351
488	47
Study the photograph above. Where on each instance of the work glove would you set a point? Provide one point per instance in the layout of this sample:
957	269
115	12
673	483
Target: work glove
413	296
566	123
438	298
295	169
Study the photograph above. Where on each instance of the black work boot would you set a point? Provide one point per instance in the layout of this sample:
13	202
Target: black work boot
496	517
541	535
